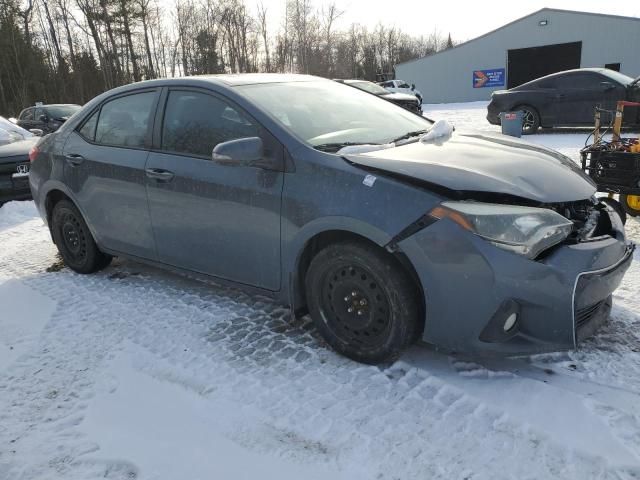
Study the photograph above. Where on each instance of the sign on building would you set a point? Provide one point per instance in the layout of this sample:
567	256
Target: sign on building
488	78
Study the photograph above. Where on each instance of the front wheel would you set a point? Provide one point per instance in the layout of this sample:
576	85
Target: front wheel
631	204
530	119
362	302
74	240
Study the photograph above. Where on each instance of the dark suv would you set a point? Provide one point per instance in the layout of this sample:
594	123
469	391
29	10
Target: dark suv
47	118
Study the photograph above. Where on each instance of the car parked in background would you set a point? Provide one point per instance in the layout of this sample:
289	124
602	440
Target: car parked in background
567	99
410	102
400	86
15	144
471	242
47	118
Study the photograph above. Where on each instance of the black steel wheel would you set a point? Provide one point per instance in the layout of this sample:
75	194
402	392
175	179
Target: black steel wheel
530	119
631	204
74	240
613	203
362	302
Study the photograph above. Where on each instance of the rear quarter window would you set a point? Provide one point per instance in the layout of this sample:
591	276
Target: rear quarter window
88	128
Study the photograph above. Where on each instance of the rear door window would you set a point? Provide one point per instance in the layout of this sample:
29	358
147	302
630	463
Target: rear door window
194	123
124	121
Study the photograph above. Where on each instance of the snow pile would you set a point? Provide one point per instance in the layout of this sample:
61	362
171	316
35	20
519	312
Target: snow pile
440	130
354	149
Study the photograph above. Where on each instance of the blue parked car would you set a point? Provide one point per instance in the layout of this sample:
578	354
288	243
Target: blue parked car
340	204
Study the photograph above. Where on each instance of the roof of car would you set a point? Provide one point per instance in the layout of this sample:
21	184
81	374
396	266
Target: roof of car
234	79
224	80
564	72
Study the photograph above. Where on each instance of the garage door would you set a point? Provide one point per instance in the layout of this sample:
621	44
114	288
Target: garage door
526	64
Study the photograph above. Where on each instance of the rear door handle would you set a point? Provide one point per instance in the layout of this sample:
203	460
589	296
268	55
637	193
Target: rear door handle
159	174
74	159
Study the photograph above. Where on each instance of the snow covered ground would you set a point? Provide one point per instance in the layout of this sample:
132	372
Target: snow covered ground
134	373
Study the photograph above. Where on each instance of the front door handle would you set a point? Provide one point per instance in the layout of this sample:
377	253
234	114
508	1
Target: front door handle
74	159
159	174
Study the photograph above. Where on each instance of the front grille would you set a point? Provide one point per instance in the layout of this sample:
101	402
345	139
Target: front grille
583	315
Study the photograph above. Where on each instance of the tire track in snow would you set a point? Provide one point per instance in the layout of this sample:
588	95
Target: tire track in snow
399	421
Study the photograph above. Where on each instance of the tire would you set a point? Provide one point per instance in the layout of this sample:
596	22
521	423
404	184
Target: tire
347	278
530	120
613	203
631	204
74	240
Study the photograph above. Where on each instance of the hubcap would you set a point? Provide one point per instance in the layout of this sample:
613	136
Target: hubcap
355	307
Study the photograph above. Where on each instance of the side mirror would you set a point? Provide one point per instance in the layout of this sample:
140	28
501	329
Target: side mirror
240	152
606	86
413	86
36	131
43	118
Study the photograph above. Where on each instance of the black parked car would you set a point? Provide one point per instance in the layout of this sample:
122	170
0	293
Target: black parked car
47	118
567	99
410	102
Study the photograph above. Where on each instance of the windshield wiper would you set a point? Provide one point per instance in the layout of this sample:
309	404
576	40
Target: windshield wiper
334	147
408	135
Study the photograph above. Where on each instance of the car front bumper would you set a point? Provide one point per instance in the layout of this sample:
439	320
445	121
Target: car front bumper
13	186
471	288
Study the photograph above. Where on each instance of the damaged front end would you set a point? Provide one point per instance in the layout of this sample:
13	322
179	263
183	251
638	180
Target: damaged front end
489	289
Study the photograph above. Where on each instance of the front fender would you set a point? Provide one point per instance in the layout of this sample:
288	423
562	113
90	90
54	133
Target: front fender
294	248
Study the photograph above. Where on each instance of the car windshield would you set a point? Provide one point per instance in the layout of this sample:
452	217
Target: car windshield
369	87
62	111
14	133
618	77
322	112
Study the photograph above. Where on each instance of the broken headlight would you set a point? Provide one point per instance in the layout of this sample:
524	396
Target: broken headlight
524	230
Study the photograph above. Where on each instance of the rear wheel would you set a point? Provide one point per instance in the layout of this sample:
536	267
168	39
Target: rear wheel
631	204
613	203
362	302
74	240
530	119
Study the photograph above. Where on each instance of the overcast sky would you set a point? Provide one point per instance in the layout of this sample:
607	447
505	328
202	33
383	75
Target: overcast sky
465	19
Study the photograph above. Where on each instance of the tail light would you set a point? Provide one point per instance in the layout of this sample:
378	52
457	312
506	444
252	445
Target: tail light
33	153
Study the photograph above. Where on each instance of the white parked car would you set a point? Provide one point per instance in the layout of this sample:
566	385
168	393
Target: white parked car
400	86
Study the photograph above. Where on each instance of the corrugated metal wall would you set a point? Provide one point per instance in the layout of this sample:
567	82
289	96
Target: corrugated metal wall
448	76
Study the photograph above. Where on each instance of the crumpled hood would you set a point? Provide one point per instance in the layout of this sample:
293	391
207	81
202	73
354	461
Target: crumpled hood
479	162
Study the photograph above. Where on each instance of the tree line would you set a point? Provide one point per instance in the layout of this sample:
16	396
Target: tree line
68	51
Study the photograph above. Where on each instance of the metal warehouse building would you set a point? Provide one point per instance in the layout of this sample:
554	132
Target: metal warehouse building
544	42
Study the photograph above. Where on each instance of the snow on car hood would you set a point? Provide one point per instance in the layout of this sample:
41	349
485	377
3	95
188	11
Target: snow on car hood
10	132
478	162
